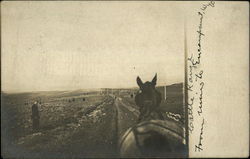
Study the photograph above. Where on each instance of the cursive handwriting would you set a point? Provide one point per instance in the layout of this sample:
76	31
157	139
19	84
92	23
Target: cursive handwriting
191	72
189	87
200	98
195	85
204	6
200	34
199	146
190	115
199	75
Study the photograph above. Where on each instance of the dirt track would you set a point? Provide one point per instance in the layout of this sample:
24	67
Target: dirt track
78	129
69	130
127	116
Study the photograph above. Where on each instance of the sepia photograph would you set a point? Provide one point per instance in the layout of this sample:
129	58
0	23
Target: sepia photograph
92	79
124	79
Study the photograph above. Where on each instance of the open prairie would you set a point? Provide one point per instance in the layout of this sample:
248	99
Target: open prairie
77	123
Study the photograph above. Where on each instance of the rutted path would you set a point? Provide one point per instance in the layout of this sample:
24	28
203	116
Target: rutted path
129	108
91	134
127	116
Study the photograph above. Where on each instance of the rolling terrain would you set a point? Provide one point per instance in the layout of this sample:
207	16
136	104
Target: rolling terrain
76	124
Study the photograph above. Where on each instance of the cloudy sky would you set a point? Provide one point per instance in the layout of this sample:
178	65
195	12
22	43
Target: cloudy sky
77	45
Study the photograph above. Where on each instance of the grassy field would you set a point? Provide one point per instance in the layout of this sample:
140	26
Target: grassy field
69	129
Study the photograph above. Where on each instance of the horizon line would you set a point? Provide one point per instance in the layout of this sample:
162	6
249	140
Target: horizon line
37	91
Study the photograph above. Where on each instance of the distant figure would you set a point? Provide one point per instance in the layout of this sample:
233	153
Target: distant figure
83	99
40	101
35	116
131	95
73	99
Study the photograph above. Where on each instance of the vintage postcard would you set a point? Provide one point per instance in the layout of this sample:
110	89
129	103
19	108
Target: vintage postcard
119	79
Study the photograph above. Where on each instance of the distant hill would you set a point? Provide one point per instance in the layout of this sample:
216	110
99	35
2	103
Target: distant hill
175	88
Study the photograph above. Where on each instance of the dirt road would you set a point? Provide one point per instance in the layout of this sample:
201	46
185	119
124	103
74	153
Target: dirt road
127	115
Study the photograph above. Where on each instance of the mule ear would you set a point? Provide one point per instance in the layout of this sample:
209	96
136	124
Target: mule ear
154	79
139	82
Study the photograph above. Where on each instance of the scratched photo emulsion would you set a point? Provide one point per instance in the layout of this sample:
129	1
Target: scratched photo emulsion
92	79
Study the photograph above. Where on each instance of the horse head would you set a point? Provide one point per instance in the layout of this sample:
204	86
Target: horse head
148	99
152	136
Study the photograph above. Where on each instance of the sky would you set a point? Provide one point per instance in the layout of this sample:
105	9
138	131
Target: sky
80	45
